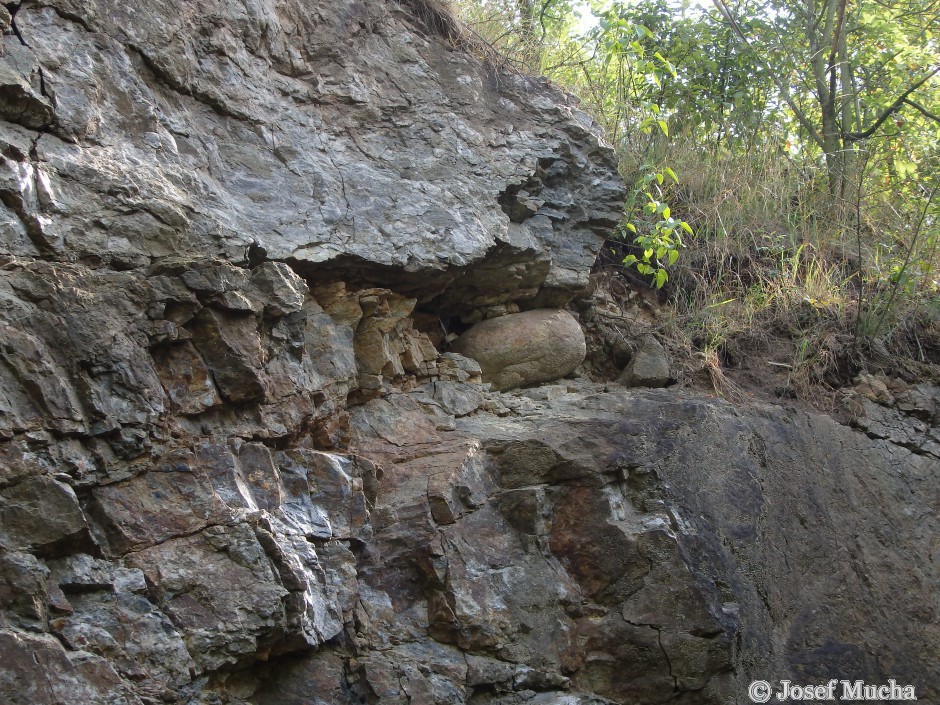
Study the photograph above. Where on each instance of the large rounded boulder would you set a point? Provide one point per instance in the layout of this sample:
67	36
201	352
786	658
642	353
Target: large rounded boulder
522	349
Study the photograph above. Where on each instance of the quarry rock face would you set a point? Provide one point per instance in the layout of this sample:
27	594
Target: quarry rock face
240	465
342	137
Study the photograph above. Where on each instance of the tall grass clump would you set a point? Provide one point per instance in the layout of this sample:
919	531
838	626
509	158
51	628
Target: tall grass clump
777	270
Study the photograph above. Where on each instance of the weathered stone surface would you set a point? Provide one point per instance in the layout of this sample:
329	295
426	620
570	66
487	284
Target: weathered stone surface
175	500
23	589
707	531
526	348
261	475
909	429
231	345
221	158
322	674
457	398
220	590
34	388
649	366
21	98
323	494
279	288
185	378
42	515
37	669
387	346
121	625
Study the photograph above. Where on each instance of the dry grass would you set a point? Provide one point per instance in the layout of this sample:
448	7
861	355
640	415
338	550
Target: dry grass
485	38
776	272
438	17
776	275
446	20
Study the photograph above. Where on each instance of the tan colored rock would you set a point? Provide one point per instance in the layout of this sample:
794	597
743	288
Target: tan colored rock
522	349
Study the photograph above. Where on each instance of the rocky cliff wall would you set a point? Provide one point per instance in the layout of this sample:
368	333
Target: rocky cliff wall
338	137
238	465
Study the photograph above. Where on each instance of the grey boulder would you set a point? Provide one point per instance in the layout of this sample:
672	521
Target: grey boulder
649	366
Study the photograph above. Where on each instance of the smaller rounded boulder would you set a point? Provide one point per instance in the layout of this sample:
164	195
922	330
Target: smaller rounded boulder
522	349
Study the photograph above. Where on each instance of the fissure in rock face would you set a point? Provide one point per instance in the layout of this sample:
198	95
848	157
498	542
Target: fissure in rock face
240	464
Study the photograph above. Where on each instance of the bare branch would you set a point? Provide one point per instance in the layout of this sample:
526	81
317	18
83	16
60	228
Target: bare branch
890	110
923	111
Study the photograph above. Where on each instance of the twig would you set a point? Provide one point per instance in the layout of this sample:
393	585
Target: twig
907	258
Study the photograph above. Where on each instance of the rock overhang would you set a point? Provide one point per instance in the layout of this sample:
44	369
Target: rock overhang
185	132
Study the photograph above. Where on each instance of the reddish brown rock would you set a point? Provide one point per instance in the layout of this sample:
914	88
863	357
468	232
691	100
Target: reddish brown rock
37	670
176	499
185	378
231	346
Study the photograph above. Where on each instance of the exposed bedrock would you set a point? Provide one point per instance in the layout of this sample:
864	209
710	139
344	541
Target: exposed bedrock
341	138
240	465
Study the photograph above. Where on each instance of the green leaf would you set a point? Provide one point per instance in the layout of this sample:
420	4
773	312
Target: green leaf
720	303
662	124
661	278
673	256
629	259
685	226
666	212
659	178
631	227
671	174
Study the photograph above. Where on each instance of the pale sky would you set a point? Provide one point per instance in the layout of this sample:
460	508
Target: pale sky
588	20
